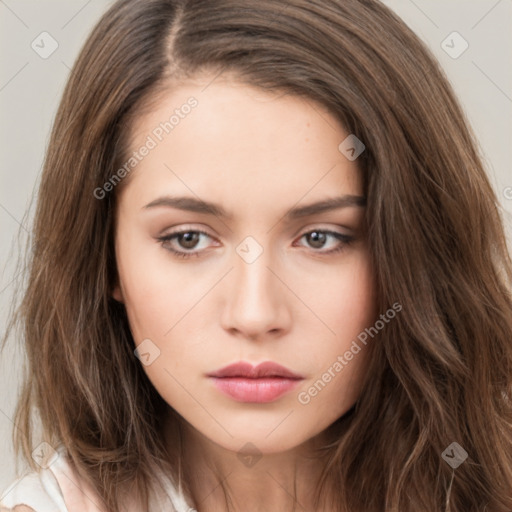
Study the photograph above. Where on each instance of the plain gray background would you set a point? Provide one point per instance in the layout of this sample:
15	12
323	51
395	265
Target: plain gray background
30	89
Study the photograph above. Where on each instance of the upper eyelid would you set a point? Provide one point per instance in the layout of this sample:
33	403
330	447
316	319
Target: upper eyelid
186	229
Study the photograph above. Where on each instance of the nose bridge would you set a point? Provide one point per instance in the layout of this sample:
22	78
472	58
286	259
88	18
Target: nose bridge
256	302
255	283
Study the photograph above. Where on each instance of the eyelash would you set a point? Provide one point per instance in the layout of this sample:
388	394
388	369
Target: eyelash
345	240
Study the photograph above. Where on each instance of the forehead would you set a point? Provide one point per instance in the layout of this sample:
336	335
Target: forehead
241	141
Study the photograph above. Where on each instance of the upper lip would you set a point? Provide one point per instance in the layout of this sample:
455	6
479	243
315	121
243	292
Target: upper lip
247	370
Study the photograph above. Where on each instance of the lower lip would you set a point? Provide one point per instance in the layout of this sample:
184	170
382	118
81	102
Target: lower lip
262	390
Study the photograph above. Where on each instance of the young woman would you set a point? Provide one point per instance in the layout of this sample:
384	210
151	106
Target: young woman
268	272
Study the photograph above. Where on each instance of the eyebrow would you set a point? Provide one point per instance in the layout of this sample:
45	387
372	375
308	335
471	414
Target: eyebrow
193	204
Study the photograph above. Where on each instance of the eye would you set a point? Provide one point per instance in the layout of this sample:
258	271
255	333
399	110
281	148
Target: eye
188	240
318	238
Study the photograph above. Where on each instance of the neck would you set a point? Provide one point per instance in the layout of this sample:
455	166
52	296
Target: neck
222	480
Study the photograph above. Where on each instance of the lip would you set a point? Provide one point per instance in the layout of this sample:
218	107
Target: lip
264	383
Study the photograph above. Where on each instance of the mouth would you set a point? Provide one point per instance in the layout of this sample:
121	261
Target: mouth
264	383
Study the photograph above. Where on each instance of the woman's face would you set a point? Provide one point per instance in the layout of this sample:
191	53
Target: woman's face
260	275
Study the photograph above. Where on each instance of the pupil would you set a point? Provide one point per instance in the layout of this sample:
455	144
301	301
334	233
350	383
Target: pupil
318	239
190	239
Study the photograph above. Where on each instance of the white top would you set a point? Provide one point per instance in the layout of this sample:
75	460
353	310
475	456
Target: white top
57	488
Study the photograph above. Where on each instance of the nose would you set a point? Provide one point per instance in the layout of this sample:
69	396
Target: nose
256	303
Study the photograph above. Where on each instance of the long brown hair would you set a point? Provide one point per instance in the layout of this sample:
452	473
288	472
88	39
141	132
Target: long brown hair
440	373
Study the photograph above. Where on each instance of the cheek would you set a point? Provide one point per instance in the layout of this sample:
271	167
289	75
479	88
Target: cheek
348	307
349	301
156	317
156	295
151	309
159	303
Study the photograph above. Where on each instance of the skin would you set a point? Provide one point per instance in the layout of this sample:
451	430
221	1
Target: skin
257	155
